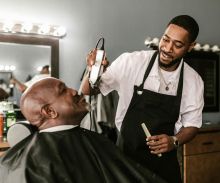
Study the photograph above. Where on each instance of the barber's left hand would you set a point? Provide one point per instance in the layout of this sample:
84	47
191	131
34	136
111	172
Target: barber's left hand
160	143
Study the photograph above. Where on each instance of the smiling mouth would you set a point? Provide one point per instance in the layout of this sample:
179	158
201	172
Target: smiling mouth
165	55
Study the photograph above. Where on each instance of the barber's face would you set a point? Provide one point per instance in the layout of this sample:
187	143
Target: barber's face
174	44
70	106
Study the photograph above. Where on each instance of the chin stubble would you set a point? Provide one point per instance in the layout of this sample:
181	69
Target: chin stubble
172	63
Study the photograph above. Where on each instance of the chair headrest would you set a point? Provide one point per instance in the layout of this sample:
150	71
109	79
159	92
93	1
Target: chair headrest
18	131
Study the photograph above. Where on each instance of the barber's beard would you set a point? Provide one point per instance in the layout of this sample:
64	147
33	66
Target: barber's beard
172	63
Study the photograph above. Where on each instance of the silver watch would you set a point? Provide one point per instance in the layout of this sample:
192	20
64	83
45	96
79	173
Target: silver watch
175	142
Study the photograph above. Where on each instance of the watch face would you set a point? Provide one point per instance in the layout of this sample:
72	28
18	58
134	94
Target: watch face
175	142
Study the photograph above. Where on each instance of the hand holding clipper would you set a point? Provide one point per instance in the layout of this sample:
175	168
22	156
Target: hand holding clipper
97	67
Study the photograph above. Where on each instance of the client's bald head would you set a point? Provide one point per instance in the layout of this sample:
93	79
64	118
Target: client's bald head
50	103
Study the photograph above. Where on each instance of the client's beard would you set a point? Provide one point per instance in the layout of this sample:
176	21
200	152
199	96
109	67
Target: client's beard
88	107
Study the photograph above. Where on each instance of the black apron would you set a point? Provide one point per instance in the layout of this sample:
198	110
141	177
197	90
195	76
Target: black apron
159	112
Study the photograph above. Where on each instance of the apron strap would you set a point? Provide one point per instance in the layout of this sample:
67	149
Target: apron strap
180	87
153	58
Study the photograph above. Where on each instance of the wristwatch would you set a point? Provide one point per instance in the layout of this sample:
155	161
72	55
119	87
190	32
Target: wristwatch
175	142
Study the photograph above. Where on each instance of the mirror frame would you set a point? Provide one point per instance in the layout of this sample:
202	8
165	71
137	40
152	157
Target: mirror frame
28	39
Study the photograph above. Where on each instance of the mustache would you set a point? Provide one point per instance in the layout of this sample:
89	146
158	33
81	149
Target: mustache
78	98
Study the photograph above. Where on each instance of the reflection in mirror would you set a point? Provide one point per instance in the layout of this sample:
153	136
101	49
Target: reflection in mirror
26	59
26	55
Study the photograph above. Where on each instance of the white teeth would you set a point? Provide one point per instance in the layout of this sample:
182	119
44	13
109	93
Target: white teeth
166	56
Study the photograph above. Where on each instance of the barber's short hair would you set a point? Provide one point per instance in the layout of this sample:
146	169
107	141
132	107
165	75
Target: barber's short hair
188	23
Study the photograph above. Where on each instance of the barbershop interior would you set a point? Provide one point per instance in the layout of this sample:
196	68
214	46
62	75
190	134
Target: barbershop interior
43	39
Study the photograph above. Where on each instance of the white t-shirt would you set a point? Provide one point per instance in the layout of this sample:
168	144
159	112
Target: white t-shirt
128	70
58	128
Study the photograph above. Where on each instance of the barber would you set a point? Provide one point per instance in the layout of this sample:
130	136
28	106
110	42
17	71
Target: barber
159	89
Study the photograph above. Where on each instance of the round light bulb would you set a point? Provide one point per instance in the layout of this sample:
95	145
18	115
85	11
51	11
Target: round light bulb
155	41
197	47
26	27
60	31
12	67
206	47
44	29
215	48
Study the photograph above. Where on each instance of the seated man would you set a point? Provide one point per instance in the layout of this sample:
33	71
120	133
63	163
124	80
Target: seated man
61	151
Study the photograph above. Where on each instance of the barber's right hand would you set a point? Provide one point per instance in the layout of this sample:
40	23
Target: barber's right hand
90	59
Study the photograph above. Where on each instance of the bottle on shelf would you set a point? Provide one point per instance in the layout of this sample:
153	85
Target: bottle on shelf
7	118
10	118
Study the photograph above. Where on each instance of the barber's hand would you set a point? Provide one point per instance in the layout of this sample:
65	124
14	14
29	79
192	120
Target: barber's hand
160	143
90	59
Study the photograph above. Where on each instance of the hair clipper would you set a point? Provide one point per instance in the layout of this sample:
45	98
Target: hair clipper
97	68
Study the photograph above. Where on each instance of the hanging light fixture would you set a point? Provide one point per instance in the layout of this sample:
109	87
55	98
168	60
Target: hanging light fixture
7	67
32	28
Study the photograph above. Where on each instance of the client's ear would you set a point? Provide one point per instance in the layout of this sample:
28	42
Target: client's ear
48	111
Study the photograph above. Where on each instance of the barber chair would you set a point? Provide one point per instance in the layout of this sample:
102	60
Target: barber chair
18	131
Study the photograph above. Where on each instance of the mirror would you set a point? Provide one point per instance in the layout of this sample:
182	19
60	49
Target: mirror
27	53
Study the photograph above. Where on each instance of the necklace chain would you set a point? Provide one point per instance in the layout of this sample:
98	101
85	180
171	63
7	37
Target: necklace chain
166	84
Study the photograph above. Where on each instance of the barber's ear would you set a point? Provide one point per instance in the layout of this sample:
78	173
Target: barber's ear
191	46
48	111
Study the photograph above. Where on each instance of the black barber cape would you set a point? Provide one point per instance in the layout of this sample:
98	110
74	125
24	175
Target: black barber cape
70	156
